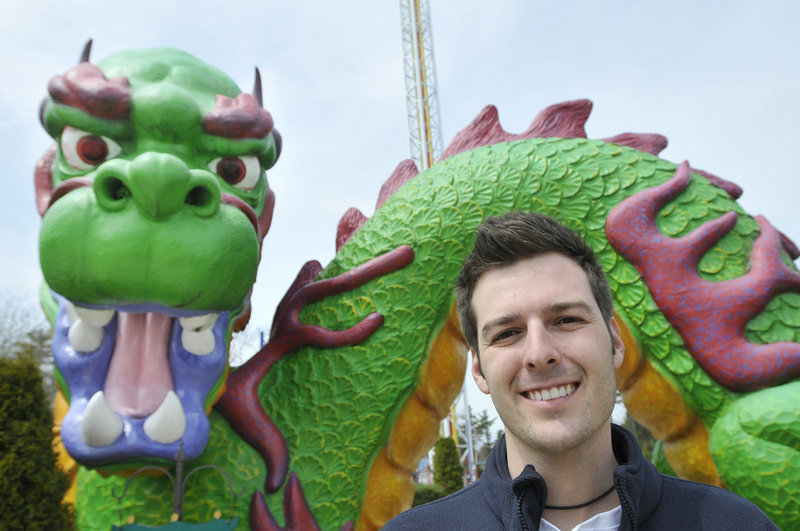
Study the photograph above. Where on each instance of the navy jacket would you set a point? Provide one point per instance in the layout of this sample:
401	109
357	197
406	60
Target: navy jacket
649	500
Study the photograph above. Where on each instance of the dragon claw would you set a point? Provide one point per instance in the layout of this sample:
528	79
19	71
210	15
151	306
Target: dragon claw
296	511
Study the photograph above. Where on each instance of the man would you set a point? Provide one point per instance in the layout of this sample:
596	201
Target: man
536	312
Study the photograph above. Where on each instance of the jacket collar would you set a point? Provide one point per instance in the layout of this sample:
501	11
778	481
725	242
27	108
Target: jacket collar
522	499
513	501
638	482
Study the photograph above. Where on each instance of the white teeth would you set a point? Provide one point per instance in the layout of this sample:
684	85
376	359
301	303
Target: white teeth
552	393
84	337
86	331
96	318
73	316
199	322
168	423
198	343
197	335
100	425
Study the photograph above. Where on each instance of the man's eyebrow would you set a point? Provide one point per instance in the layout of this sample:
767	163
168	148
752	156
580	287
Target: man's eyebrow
502	320
559	307
553	308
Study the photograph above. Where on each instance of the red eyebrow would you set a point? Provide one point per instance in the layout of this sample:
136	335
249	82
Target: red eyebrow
87	88
240	117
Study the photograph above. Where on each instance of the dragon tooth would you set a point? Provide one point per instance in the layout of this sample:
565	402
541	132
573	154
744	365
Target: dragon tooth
84	337
199	322
168	422
199	343
96	318
100	425
71	313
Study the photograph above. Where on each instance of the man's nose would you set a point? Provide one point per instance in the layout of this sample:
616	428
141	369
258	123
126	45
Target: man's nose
540	347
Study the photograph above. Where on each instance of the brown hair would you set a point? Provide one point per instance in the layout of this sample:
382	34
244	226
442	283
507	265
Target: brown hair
503	241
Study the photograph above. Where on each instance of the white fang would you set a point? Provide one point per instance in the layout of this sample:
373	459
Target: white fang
100	425
168	422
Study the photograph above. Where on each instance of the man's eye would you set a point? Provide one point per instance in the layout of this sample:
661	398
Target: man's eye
84	151
241	172
505	334
568	320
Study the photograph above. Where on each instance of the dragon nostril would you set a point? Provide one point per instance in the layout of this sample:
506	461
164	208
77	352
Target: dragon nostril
116	190
199	196
204	196
111	191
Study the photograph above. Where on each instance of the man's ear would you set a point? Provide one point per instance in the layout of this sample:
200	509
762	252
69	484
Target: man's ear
477	372
619	345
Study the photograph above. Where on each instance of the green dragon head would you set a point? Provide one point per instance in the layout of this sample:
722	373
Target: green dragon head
154	203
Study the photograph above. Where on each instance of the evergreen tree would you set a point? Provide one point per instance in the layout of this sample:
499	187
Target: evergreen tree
447	470
31	486
482	438
23	328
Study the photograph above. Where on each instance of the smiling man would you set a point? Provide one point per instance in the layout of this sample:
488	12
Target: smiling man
536	311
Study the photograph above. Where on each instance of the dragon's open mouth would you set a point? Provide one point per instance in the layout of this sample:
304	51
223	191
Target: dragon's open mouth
139	379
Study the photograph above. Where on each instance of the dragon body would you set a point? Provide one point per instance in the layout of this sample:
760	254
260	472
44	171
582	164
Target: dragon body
325	425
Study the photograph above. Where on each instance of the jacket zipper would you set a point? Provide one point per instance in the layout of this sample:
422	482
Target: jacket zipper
519	513
626	505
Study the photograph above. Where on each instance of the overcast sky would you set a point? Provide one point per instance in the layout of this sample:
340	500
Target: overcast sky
719	79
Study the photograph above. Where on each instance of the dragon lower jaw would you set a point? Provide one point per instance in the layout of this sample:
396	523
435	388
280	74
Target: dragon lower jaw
139	380
101	426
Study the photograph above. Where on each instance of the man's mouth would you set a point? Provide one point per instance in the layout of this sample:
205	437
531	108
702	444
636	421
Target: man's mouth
551	393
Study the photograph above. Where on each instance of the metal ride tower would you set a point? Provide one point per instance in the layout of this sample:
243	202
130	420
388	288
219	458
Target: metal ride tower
425	142
422	98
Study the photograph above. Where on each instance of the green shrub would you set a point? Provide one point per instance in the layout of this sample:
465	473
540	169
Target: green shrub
447	470
31	486
426	493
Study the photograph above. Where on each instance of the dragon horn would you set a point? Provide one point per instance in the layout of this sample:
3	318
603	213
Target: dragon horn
257	89
87	50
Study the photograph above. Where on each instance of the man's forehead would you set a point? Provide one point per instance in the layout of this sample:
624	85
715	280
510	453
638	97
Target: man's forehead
551	265
552	281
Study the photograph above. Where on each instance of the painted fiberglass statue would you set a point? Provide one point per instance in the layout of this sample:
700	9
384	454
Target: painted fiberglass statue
154	203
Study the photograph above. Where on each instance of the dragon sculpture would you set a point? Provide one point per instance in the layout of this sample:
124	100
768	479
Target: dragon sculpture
154	203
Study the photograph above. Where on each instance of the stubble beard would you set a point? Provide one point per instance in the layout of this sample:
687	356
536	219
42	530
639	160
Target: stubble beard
524	433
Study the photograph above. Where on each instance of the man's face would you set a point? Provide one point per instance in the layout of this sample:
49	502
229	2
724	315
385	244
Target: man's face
546	355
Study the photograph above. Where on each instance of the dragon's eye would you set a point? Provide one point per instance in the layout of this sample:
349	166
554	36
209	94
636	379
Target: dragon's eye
84	151
241	172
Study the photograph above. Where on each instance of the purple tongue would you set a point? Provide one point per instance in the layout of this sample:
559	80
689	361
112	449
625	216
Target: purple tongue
139	376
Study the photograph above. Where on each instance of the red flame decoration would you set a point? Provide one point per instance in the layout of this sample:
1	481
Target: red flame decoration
709	316
563	120
240	404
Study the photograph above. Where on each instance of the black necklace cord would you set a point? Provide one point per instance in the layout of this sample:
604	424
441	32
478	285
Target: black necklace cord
568	507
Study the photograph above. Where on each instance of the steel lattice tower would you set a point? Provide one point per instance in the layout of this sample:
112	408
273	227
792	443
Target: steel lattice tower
422	98
425	139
